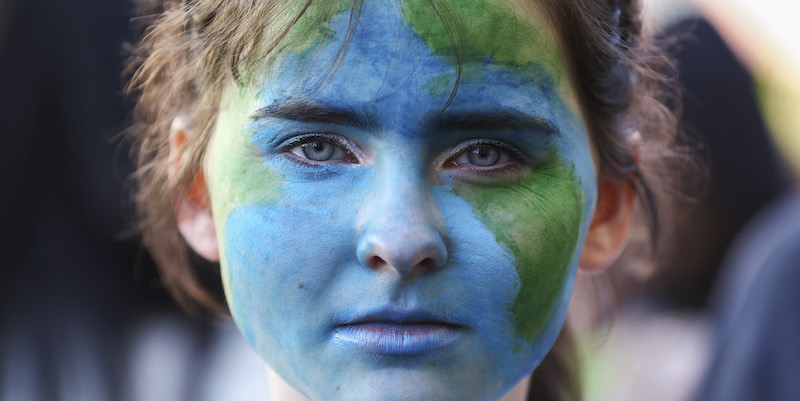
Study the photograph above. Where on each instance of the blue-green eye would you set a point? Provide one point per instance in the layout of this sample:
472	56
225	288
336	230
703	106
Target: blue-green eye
321	150
318	150
481	155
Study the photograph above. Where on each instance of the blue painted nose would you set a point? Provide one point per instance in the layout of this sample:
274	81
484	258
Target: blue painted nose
401	233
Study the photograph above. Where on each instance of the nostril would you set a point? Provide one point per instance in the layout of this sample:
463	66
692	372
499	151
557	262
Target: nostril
408	254
427	263
376	262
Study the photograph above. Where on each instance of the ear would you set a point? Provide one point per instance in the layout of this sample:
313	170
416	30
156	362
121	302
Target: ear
192	209
610	228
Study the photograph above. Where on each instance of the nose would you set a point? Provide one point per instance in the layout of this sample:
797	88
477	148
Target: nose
401	234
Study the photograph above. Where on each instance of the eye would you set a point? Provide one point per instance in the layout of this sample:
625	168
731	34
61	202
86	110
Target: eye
481	156
486	161
318	149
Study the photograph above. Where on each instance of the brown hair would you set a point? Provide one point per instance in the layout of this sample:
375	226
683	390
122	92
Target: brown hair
193	48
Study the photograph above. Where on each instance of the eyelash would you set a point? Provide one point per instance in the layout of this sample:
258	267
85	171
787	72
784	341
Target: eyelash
343	144
510	160
513	161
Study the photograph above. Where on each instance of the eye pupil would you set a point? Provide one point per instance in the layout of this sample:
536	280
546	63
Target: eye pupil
318	150
483	156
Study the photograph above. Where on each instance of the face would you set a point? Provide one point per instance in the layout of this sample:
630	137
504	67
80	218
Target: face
377	245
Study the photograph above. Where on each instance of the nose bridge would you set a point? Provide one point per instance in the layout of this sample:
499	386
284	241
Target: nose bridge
402	232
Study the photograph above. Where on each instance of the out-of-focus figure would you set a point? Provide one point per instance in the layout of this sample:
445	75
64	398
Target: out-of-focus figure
659	346
757	344
80	318
745	172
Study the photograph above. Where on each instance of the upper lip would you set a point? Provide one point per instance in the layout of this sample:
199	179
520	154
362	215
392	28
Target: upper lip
394	316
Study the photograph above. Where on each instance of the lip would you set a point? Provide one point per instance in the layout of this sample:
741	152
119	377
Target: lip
392	332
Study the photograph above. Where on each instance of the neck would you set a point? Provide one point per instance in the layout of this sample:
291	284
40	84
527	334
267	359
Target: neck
520	391
279	390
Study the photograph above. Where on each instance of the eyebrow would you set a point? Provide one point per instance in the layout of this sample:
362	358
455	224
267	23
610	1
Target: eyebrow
495	120
308	112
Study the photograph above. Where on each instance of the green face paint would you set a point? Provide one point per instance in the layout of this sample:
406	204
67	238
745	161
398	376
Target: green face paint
440	86
490	30
538	218
311	30
236	173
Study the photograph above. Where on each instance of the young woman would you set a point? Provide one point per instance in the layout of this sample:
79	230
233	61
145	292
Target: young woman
398	192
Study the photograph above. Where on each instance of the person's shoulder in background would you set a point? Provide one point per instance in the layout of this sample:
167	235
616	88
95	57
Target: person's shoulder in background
756	353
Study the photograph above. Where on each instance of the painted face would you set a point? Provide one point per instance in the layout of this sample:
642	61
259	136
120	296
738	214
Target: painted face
376	245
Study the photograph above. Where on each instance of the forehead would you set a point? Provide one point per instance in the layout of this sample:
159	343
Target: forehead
401	56
509	32
464	34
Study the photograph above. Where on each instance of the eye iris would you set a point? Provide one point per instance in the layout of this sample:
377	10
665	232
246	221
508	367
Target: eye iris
318	150
483	156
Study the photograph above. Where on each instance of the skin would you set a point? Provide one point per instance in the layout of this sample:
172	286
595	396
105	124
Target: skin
491	249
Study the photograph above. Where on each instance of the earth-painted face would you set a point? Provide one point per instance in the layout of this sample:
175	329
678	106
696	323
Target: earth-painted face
375	247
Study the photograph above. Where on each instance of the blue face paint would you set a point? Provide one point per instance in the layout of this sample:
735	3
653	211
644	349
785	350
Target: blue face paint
364	251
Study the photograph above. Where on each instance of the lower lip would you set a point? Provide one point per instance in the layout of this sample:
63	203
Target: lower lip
398	339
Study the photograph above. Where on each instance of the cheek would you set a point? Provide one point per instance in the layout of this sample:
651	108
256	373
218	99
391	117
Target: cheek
278	260
538	219
250	242
283	256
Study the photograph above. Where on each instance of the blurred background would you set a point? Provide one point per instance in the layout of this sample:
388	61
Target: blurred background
82	313
83	316
718	320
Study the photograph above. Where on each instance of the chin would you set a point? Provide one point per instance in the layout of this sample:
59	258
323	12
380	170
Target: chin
474	376
411	384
